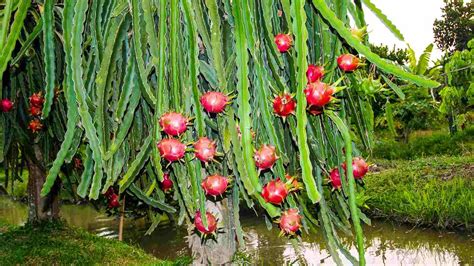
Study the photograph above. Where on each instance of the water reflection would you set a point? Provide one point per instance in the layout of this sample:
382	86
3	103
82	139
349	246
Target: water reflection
386	244
12	212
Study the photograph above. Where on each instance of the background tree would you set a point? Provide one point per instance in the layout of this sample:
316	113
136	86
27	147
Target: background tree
397	105
457	97
418	108
126	65
33	119
393	54
454	30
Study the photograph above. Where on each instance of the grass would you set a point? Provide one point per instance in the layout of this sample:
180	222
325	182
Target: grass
436	191
58	244
5	226
426	143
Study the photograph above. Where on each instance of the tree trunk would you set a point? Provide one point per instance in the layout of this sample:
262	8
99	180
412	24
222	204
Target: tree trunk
6	176
452	124
40	208
218	251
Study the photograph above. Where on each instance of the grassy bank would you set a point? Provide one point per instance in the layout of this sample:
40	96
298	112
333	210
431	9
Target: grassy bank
426	143
436	191
57	244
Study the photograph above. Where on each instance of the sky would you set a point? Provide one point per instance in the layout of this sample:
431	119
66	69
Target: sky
414	18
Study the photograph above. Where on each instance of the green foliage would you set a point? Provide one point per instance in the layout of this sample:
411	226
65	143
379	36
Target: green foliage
436	143
457	98
402	107
434	191
459	68
55	243
72	112
416	112
16	186
393	54
8	45
423	60
49	56
299	27
454	30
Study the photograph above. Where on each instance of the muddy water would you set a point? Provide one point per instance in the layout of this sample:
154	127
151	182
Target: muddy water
386	243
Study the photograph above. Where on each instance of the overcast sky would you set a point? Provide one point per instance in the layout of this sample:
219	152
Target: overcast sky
414	18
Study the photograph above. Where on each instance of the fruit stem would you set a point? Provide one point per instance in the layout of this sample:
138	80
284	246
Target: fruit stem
122	214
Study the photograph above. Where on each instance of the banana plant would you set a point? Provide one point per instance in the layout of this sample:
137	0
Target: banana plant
410	107
420	66
151	88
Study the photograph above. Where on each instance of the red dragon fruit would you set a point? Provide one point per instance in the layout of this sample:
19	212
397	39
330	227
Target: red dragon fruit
35	111
214	185
173	123
275	191
359	167
37	100
109	192
314	73
167	183
214	101
211	223
205	149
348	62
35	125
283	42
290	221
114	201
284	105
335	178
171	149
265	157
6	105
318	94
